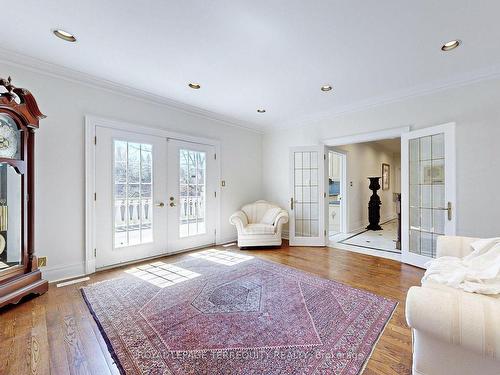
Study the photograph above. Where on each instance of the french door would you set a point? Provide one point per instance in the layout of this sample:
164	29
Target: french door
153	196
192	195
130	179
428	185
308	196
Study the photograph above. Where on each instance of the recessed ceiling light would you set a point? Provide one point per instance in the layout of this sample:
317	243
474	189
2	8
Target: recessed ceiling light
261	110
195	86
452	44
326	88
64	35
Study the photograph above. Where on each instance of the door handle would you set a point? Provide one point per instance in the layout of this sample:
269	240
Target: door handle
161	204
449	209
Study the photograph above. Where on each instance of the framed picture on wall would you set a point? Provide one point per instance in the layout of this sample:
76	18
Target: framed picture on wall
386	176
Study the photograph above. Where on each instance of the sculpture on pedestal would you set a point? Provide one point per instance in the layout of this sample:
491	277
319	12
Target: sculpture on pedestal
374	205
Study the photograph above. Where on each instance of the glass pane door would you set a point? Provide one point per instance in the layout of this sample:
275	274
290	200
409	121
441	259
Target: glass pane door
307	202
130	196
428	173
427	198
192	185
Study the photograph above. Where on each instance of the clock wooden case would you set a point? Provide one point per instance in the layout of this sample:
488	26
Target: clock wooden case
19	118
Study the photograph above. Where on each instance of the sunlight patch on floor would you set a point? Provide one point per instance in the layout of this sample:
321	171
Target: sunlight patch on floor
222	257
162	274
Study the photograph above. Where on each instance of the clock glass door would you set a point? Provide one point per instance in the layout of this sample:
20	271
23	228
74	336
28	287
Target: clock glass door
10	217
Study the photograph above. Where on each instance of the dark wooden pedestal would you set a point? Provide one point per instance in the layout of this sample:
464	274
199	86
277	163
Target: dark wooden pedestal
374	205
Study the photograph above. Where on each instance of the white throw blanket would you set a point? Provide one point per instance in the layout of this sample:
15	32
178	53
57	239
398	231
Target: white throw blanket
478	272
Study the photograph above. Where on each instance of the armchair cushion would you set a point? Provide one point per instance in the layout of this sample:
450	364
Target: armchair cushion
256	211
270	215
258	228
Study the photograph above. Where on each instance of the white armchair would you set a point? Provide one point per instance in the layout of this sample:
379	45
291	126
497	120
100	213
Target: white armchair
454	332
259	224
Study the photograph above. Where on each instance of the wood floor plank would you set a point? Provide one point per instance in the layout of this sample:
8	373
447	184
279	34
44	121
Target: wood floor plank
39	340
56	334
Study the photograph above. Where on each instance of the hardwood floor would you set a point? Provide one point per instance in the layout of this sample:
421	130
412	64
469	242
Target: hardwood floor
55	333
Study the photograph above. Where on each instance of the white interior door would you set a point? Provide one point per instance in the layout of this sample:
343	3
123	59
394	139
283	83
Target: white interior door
308	201
428	191
130	181
192	185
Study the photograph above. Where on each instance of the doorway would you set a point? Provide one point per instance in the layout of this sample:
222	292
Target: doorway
427	181
337	215
379	160
152	194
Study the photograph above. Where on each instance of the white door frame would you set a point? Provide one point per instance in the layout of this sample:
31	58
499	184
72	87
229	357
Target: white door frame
91	122
344	193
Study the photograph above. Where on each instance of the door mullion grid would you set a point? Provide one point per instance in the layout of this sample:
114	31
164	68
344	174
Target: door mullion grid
196	191
127	209
139	208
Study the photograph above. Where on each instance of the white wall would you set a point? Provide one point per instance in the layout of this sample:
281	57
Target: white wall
365	160
60	179
476	110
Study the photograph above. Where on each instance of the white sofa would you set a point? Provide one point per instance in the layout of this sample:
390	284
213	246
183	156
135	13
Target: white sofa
259	224
454	332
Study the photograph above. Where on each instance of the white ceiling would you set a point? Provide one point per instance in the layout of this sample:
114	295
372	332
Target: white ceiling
393	145
264	53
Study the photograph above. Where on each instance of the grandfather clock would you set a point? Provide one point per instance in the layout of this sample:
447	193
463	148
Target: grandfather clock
19	117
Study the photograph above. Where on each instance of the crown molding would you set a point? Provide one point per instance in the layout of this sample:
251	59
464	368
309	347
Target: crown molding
43	67
490	73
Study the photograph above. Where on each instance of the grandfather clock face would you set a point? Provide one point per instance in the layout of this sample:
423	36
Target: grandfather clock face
9	137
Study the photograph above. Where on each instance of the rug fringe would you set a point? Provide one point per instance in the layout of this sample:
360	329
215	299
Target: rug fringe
378	339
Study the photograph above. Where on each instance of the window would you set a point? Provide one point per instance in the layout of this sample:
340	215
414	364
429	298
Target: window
133	192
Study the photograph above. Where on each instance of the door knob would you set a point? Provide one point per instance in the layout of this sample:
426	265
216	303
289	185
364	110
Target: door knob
172	204
161	205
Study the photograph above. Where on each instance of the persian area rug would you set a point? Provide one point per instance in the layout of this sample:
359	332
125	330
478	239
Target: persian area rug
224	313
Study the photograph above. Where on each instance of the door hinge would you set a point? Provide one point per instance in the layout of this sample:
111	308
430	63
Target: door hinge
95	139
95	196
324	195
95	253
324	156
215	156
215	194
325	232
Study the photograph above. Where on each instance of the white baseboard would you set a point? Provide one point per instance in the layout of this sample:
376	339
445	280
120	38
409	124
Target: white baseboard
63	272
227	240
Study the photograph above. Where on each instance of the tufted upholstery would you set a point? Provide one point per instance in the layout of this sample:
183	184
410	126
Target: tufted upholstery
259	224
455	332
